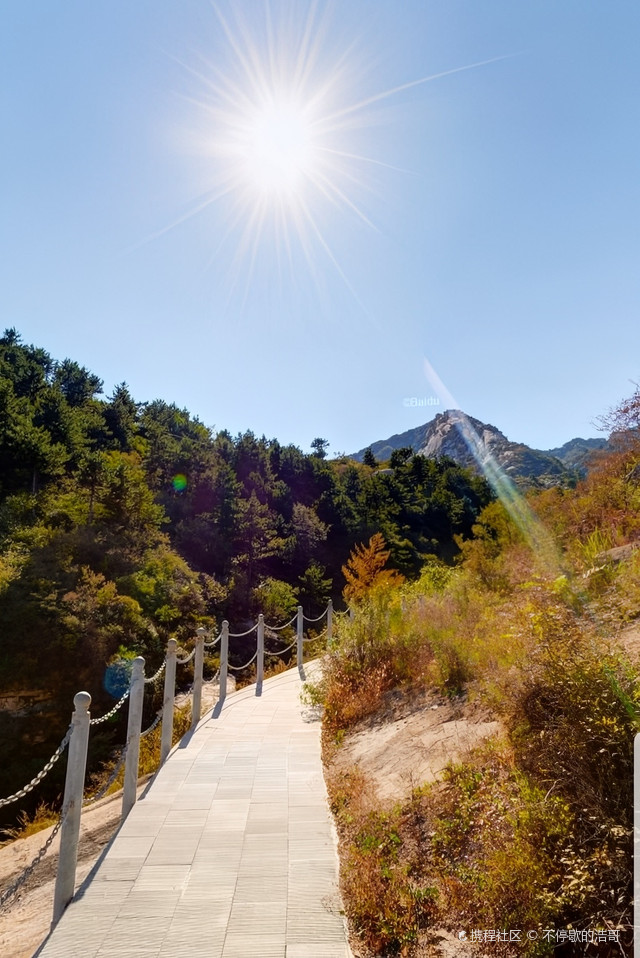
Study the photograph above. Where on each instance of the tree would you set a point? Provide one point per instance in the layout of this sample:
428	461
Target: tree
369	459
314	589
624	420
76	383
320	447
308	530
365	569
400	456
120	416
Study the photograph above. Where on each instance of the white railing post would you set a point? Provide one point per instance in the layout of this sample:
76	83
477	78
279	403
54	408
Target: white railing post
134	727
197	678
260	662
299	633
168	700
351	613
72	804
224	660
329	622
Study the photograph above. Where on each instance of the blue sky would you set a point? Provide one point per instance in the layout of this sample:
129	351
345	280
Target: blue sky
490	226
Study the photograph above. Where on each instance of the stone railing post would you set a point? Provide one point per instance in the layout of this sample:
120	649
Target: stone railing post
329	622
260	660
168	700
134	727
72	804
196	708
224	660
636	836
299	634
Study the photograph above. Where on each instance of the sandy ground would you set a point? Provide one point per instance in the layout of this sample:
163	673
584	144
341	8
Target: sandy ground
411	740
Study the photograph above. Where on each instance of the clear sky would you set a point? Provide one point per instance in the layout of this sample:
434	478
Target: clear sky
223	207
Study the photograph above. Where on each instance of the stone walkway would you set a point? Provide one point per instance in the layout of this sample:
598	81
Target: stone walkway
231	852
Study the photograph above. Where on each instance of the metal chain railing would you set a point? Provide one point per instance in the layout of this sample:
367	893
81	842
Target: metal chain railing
153	725
119	704
282	651
241	635
102	791
9	892
317	618
188	658
38	778
154	678
279	628
267	630
238	668
313	638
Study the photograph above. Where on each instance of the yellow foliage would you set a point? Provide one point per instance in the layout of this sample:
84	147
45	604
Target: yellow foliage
365	569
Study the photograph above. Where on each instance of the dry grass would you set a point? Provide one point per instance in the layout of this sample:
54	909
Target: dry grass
43	817
536	831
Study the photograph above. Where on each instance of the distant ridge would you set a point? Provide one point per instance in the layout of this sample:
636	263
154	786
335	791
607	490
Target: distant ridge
442	436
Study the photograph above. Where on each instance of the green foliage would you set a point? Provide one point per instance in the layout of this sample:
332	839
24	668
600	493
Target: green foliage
276	599
122	523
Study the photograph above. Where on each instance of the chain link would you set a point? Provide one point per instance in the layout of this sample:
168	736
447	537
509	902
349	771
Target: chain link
317	619
153	724
92	799
209	645
240	635
314	638
38	778
119	704
12	889
188	658
282	651
238	668
154	678
279	628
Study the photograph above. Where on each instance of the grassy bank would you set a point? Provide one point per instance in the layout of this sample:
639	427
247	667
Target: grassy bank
534	830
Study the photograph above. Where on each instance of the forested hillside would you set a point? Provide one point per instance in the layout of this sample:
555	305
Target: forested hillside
124	522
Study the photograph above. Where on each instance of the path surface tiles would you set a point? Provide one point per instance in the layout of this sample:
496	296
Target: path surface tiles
231	852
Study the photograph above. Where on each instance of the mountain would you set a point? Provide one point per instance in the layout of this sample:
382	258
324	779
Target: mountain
576	453
444	436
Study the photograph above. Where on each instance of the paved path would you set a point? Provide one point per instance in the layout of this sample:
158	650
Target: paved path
231	852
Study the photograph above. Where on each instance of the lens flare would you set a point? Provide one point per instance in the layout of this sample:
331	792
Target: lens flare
179	482
535	533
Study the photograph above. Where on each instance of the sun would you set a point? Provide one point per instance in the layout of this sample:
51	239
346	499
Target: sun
274	125
283	117
278	153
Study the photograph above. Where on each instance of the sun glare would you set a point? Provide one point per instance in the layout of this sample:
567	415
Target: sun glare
282	120
278	154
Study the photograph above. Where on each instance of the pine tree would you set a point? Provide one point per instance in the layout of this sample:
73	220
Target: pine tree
365	569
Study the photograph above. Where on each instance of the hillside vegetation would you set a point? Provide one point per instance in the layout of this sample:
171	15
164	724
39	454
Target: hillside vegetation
533	831
123	523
